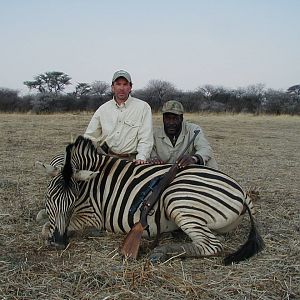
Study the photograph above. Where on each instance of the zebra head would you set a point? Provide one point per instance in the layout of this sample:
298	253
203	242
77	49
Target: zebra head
63	192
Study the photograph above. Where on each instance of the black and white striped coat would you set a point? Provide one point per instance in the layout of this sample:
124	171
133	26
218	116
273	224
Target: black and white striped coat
89	189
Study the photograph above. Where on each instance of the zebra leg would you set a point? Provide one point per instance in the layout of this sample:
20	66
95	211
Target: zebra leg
93	232
42	219
42	216
230	227
46	230
204	243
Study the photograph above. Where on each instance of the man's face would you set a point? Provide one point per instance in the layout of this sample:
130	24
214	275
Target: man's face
121	89
172	123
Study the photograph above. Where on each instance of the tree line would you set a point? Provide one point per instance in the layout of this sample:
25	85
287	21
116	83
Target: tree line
49	96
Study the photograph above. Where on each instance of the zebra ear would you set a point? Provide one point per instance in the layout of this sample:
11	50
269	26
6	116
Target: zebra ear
85	175
50	170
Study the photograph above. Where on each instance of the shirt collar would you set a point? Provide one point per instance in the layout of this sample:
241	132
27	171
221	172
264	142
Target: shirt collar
125	104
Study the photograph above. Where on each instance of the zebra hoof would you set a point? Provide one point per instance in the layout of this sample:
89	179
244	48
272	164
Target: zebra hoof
94	232
158	257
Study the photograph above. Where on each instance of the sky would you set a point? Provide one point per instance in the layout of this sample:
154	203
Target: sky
190	43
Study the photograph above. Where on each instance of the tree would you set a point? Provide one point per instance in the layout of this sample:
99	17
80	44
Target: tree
99	88
50	82
216	98
248	99
194	101
255	96
275	102
82	89
157	92
207	91
295	90
8	99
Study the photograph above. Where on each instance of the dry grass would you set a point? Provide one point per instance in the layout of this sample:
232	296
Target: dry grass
261	152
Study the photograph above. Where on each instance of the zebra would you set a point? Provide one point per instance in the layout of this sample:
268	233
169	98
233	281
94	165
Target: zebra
88	189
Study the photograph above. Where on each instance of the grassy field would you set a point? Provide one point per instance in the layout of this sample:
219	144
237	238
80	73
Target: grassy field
261	152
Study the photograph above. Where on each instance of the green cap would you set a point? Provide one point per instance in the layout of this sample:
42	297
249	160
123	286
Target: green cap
173	107
121	73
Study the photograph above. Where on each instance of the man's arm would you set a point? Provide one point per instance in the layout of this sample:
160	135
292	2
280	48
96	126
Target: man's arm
203	149
145	136
94	130
154	157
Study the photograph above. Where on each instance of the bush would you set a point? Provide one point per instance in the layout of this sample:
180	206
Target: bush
8	100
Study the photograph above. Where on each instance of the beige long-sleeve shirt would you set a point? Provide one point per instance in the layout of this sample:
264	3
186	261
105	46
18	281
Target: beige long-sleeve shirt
164	150
126	128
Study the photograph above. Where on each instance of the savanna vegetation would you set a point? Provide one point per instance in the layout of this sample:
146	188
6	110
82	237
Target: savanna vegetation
48	96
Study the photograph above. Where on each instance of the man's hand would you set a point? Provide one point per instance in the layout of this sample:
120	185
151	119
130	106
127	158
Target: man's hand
187	160
140	161
155	161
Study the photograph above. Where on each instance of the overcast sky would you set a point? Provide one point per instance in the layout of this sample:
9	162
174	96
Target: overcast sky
230	43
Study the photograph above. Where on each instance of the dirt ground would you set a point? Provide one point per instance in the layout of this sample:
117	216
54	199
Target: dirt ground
261	152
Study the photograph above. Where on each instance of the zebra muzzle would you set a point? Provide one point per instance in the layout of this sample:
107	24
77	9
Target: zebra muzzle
57	240
54	245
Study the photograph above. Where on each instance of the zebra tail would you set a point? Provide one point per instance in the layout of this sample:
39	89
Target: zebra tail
253	245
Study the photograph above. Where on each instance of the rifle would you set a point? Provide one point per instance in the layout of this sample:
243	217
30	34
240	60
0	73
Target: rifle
132	241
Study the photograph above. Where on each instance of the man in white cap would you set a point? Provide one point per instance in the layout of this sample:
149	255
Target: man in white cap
171	139
122	126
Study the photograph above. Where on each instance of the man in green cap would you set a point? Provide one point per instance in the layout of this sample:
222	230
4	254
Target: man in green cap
122	127
171	139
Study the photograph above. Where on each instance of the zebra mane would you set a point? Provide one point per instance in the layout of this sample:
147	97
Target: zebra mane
67	170
74	157
84	142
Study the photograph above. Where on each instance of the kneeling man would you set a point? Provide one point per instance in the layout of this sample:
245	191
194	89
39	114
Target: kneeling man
171	139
